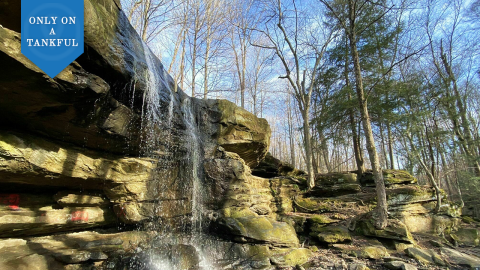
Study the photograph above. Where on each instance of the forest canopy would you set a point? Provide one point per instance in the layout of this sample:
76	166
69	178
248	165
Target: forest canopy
347	85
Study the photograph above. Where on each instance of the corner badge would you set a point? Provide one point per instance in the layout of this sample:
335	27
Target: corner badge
52	33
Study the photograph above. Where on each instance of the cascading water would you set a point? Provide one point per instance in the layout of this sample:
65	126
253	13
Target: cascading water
194	147
192	235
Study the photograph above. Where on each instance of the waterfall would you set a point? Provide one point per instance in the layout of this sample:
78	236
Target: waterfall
192	236
151	95
194	158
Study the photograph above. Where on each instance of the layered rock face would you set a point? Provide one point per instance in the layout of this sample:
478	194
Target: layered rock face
111	166
109	143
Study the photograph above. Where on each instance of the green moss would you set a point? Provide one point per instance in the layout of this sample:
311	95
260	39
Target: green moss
372	252
321	219
236	212
298	257
467	219
258	252
467	236
395	229
313	205
398	177
331	234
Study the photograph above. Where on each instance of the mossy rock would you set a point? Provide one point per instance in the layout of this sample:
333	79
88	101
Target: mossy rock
291	257
371	252
335	190
331	234
335	178
237	212
427	256
259	230
357	266
406	195
320	219
391	177
401	246
297	222
466	237
450	209
298	256
395	230
444	224
243	133
467	219
271	167
311	205
257	252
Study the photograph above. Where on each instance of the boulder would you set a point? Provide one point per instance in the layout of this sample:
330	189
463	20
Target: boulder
395	230
298	256
335	178
330	234
259	230
425	256
415	206
357	266
372	252
391	177
459	258
466	237
243	133
271	167
290	257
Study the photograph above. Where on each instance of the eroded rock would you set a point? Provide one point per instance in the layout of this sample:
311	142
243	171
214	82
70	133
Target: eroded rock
259	230
395	230
425	256
243	133
460	258
391	177
271	167
330	234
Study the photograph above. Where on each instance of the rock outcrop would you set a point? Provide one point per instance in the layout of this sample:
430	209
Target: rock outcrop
111	142
271	167
110	165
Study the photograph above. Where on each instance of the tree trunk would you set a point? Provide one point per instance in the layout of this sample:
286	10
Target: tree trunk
384	148
308	148
351	115
381	219
390	148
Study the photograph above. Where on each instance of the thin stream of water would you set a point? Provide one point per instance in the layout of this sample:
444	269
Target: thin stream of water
151	102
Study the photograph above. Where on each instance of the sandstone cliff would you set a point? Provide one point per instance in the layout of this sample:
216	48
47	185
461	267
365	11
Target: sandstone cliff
106	166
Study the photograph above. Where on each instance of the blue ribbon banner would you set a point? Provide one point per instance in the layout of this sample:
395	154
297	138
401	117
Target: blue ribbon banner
52	33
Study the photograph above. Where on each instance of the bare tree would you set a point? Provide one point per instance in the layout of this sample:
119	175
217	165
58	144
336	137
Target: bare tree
150	17
443	59
296	43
